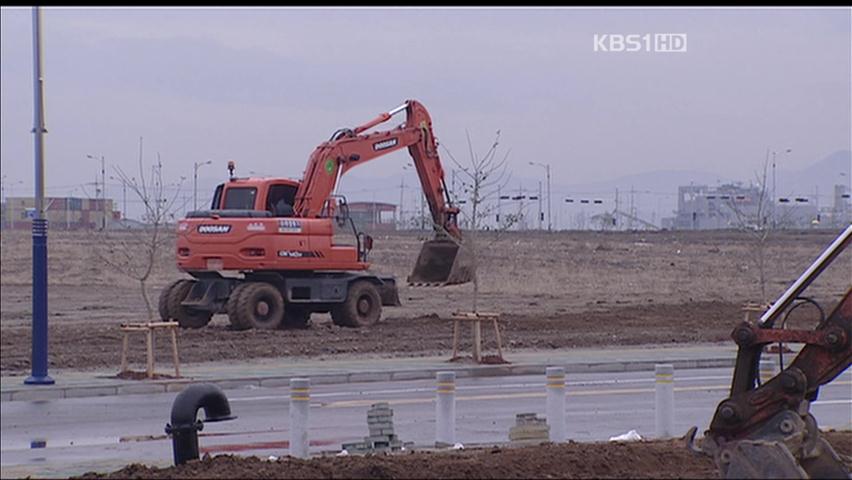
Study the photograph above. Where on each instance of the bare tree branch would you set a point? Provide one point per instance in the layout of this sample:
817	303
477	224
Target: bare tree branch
134	253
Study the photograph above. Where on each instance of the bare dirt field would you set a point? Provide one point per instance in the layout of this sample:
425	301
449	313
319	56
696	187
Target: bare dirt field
647	459
560	290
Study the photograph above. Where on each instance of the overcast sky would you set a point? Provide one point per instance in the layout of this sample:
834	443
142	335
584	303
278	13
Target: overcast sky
264	86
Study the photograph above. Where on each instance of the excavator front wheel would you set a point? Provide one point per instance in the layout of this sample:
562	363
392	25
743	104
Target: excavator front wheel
170	300
362	307
260	305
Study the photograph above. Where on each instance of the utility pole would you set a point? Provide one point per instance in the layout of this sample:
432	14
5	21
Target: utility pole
632	208
774	201
616	208
774	224
401	198
124	199
39	363
103	189
540	213
549	221
103	193
195	182
499	204
546	167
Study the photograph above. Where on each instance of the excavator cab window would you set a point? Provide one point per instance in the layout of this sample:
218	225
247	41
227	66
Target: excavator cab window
217	197
280	200
240	198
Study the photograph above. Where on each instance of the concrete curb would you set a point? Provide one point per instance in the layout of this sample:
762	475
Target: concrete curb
56	392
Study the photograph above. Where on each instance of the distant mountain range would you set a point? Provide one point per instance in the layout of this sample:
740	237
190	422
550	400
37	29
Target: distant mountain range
654	194
822	176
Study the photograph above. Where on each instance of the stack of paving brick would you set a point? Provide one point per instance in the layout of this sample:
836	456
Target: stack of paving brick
382	437
529	429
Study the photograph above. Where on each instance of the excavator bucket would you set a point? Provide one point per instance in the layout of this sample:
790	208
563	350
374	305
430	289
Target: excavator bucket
442	262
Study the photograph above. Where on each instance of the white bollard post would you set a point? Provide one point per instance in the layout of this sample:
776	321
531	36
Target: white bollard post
300	403
556	403
767	370
664	394
445	408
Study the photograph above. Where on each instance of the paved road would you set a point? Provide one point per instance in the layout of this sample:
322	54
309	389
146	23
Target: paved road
105	433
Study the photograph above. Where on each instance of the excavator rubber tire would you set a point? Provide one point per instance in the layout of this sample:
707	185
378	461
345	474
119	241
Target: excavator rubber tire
163	303
296	317
237	322
362	307
261	305
185	317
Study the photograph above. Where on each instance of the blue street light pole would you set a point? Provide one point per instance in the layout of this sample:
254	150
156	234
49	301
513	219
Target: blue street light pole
39	374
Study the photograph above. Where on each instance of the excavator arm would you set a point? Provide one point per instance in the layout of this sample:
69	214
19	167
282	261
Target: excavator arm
766	430
441	261
349	148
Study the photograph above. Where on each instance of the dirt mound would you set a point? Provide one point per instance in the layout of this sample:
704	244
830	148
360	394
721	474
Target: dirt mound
646	459
572	460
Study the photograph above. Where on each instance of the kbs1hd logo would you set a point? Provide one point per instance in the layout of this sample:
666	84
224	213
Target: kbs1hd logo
635	42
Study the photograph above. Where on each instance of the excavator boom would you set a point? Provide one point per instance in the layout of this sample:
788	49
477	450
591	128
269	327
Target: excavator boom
441	260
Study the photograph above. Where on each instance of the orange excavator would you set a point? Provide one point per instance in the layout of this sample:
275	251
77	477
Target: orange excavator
265	252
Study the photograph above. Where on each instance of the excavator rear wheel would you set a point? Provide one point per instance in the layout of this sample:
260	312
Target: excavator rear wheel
362	307
185	317
237	322
261	305
296	317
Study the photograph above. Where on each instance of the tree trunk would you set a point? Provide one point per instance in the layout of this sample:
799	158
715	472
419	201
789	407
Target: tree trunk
144	286
475	259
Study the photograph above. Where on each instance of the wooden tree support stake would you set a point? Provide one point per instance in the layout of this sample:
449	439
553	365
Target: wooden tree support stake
149	328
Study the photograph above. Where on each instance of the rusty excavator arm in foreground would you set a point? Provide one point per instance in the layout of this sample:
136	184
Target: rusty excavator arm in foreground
766	430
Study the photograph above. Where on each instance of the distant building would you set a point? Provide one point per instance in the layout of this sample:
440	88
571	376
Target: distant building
63	213
841	211
734	206
700	207
373	216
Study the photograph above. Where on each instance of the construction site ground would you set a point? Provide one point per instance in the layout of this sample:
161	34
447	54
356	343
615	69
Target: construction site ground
646	459
553	291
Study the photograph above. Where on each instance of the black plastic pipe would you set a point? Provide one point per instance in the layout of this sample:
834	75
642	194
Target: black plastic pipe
184	426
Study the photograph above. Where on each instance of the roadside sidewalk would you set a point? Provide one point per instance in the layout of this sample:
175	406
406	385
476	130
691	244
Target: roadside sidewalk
276	372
